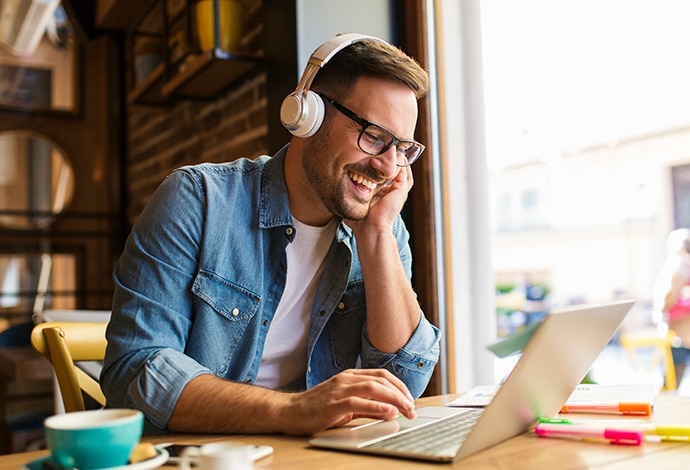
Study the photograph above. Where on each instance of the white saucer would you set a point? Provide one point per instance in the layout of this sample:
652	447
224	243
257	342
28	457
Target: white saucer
153	462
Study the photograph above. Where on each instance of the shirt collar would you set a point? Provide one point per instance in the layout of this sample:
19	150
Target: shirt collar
274	210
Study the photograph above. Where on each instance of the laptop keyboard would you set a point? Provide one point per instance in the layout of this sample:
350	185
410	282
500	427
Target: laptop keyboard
443	437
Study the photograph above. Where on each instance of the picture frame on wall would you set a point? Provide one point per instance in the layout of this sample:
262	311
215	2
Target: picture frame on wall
25	87
46	79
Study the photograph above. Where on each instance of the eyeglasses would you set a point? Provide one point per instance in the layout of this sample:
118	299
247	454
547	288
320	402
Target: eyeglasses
375	140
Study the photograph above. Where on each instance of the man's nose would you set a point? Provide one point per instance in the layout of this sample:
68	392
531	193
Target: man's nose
387	163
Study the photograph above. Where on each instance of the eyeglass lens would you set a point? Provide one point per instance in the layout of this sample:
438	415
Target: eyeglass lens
375	140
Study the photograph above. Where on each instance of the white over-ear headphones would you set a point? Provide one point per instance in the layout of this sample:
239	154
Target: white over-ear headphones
302	110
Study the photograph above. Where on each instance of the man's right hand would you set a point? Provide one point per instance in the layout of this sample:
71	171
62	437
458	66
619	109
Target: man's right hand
354	393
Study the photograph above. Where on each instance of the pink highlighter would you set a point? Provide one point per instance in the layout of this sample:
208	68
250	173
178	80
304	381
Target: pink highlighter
584	432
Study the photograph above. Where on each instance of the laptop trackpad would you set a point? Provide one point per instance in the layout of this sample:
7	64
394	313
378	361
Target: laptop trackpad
366	433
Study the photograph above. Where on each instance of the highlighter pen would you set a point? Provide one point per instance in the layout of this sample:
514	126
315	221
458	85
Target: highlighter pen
613	436
661	432
617	408
652	432
668	431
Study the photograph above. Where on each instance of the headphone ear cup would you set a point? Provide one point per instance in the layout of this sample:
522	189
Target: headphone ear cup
314	111
302	113
291	111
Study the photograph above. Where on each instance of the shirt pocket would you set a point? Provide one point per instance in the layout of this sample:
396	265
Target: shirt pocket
345	326
230	300
223	326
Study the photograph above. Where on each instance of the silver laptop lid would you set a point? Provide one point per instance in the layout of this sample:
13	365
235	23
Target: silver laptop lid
553	363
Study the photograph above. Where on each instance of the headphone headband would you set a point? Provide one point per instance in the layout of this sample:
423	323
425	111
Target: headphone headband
334	45
302	110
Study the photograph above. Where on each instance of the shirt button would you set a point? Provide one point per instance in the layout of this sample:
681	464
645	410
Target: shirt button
288	231
322	312
341	305
420	364
235	312
248	381
265	323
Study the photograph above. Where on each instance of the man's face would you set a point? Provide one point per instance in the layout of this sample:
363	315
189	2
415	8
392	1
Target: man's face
342	176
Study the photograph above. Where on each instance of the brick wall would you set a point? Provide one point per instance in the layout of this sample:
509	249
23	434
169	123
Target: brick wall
233	125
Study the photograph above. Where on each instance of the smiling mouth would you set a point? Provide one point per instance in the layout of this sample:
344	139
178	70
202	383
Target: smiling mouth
362	181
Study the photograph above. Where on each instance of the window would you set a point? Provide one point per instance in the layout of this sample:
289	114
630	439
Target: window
574	120
584	110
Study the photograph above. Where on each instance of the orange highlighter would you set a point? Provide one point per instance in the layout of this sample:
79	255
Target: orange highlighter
642	409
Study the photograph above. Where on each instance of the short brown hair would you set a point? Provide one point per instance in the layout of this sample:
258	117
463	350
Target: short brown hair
370	58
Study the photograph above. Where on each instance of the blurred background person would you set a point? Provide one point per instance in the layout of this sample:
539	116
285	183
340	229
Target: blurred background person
671	295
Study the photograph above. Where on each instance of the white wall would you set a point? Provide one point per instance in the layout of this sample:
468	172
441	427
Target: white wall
320	20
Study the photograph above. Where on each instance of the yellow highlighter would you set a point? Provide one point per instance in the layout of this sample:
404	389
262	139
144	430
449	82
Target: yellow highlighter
666	432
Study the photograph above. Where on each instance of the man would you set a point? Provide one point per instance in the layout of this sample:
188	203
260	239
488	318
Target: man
274	295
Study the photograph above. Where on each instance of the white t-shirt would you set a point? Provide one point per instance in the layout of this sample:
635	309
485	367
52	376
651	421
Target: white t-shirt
284	359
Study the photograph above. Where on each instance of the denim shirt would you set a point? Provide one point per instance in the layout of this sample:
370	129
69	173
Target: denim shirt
201	276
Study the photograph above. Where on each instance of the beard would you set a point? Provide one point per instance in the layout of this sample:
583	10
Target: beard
329	183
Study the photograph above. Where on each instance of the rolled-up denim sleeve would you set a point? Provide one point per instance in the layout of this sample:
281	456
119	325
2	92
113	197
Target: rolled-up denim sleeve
413	363
158	386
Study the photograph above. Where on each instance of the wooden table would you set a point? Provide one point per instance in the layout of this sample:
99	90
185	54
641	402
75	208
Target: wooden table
525	451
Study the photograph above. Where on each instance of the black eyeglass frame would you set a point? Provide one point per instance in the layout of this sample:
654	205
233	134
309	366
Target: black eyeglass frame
366	124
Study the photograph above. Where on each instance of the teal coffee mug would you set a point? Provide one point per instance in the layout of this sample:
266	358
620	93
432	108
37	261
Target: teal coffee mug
93	439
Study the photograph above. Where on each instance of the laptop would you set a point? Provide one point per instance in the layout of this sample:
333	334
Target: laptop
553	362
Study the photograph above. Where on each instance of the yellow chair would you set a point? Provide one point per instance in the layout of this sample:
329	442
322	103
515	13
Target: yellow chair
660	346
62	343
